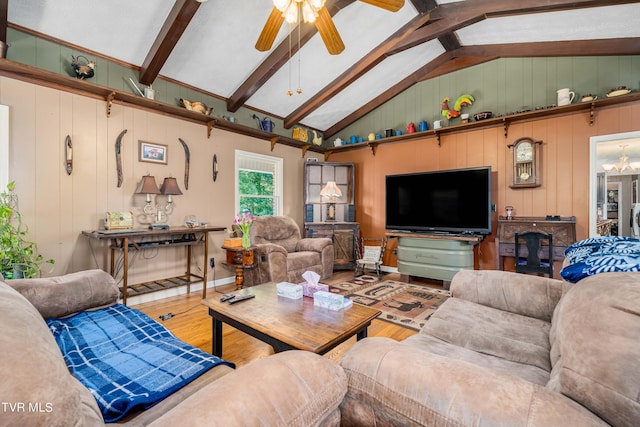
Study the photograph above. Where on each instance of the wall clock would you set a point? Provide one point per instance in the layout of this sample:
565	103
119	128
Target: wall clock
526	163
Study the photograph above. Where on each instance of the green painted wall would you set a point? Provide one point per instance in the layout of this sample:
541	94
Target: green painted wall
34	51
500	86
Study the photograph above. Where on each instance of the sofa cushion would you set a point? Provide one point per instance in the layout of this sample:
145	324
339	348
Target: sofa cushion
428	343
490	331
596	346
310	389
64	295
35	380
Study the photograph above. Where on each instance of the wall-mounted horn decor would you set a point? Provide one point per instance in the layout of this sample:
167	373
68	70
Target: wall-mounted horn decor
215	167
68	155
187	160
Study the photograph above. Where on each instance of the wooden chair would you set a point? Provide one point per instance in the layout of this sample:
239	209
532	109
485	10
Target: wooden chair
369	255
538	258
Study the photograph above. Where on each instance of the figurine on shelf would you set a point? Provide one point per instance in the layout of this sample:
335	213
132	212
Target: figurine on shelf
462	101
198	107
83	68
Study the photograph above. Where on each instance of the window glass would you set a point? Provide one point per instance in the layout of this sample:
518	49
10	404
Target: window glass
258	183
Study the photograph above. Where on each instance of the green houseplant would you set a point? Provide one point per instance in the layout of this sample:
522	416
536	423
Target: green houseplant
19	257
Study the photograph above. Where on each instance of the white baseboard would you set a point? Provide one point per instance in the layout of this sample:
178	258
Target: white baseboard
180	290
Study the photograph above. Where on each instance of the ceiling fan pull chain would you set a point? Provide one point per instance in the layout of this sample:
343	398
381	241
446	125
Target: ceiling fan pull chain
299	90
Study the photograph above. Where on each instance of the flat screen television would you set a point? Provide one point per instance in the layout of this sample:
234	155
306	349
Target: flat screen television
451	201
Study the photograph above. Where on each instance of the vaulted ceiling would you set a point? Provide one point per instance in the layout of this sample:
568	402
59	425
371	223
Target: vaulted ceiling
210	45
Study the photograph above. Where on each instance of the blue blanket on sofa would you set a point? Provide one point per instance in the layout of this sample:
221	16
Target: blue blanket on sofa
126	359
601	255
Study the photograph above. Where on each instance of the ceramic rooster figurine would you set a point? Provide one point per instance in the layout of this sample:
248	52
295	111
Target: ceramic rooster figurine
84	69
462	101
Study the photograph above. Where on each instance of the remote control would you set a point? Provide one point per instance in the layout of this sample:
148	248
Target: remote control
227	297
242	298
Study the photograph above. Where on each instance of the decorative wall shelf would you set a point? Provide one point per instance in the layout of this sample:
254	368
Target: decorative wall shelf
57	81
53	80
504	121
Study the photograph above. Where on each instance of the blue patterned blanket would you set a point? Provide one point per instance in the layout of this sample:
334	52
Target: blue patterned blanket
126	359
601	255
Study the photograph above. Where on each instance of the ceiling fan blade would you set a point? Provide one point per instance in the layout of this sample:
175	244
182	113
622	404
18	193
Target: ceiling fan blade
390	5
328	32
270	30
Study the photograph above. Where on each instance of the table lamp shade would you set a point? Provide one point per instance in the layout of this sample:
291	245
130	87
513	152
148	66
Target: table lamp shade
331	190
148	185
170	187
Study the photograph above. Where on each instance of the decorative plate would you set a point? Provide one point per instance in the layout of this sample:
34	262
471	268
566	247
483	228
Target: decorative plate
618	92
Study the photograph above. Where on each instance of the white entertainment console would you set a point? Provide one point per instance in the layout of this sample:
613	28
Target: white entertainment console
434	256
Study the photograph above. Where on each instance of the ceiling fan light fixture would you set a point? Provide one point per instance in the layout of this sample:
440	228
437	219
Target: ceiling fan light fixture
308	13
291	14
282	5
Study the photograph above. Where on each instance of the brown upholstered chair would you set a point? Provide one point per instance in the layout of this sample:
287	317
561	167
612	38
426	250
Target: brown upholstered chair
282	255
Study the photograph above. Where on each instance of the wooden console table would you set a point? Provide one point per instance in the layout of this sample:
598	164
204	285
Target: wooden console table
562	228
139	240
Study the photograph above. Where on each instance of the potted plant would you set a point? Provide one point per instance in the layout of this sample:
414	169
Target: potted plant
19	257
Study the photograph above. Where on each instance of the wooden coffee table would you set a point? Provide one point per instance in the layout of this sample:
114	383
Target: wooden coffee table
288	324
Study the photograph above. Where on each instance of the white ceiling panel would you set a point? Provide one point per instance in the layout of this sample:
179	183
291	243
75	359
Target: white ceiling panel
362	28
386	74
224	34
578	24
122	29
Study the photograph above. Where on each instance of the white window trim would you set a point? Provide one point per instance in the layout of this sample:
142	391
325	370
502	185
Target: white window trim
279	176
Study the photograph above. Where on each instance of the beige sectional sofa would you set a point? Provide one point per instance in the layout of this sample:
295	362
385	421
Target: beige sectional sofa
507	349
293	388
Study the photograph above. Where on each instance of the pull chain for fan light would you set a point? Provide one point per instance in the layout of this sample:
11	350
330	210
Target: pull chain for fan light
299	20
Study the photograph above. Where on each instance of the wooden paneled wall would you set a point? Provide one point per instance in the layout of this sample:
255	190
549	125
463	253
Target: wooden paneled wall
57	207
565	168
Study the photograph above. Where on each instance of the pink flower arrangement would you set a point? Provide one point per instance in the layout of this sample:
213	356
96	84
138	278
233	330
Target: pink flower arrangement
244	220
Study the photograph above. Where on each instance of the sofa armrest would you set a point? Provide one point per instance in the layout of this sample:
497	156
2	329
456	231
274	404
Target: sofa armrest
391	383
293	388
63	295
524	294
314	244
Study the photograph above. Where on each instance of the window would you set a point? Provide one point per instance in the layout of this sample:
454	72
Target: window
258	183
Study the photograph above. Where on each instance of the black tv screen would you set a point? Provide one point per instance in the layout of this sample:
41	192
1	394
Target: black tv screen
452	201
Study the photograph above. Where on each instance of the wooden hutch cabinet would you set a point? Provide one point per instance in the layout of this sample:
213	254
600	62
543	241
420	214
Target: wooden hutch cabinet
343	230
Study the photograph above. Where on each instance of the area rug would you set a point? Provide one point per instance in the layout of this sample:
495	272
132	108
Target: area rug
404	304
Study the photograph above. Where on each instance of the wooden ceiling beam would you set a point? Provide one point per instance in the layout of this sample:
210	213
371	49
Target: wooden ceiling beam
177	21
4	9
374	57
389	93
277	59
468	56
450	17
601	47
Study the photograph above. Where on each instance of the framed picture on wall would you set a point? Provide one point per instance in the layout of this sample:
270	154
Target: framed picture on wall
152	153
634	191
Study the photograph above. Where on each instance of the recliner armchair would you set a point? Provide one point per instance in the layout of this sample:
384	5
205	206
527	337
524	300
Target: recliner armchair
283	255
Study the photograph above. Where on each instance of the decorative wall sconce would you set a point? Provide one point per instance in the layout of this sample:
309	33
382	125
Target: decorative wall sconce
331	191
169	188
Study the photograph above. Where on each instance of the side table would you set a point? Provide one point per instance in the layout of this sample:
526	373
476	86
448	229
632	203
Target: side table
239	259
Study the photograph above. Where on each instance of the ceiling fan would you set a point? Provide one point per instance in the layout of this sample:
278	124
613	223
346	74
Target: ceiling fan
311	11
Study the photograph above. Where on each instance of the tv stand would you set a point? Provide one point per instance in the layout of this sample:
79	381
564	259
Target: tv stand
435	256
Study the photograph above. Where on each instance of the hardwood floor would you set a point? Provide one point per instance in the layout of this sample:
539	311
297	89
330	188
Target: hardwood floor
191	323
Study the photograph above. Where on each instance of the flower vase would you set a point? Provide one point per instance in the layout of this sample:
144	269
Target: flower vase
246	241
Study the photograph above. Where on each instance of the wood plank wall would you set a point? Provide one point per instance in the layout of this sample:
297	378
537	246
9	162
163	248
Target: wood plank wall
565	168
57	207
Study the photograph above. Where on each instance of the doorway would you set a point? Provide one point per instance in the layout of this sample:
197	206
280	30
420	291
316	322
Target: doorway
613	183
